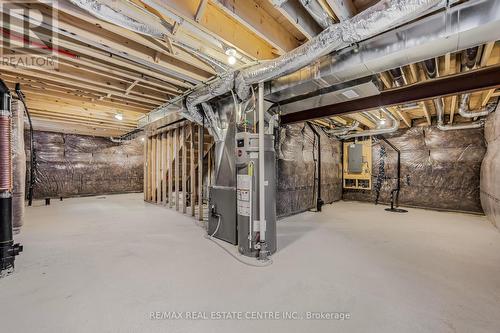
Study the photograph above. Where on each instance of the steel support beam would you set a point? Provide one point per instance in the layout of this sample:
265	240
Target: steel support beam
471	81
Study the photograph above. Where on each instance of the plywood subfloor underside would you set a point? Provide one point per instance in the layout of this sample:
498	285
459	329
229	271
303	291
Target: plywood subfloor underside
102	265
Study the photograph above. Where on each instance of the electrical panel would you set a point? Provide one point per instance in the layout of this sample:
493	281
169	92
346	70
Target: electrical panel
358	165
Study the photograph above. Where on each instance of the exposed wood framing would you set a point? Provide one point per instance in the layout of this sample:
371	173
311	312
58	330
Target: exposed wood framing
184	170
170	173
176	168
164	164
200	172
192	169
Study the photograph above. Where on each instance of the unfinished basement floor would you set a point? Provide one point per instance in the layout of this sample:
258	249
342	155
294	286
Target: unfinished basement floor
102	264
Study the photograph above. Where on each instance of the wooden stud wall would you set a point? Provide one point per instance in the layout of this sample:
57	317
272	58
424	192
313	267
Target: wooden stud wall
173	172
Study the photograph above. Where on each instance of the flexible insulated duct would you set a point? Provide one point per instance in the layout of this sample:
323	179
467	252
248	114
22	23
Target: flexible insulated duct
343	130
218	87
126	15
456	28
379	18
394	127
383	16
313	7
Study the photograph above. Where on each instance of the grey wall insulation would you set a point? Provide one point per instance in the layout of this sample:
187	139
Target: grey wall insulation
18	165
77	165
439	169
490	170
296	169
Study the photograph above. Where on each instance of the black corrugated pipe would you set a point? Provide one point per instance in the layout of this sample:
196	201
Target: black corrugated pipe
395	191
319	201
469	57
8	250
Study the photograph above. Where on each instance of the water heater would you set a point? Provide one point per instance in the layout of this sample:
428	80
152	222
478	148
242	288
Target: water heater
247	193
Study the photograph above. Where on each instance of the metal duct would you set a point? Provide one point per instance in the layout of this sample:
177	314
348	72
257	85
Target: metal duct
459	27
218	87
371	117
332	95
313	7
383	16
296	12
394	127
126	15
465	112
438	103
214	127
343	9
343	130
217	65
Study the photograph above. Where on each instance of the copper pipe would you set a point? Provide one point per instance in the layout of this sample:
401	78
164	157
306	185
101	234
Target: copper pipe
5	153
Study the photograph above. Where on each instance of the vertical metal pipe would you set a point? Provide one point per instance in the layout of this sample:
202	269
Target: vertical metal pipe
262	187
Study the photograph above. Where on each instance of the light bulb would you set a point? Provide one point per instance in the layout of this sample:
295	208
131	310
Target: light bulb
119	116
231	56
231	60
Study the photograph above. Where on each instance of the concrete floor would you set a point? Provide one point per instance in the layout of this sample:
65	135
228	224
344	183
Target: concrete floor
103	264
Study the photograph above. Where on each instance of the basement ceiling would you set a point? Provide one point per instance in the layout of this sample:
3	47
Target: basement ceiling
104	72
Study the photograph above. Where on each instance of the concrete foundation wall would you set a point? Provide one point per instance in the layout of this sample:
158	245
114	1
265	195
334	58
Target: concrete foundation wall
439	169
75	165
296	169
490	170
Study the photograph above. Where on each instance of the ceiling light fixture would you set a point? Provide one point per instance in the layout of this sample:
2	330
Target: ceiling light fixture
231	56
119	116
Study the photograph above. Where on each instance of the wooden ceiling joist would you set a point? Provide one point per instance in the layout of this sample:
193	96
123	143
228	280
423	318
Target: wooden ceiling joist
256	19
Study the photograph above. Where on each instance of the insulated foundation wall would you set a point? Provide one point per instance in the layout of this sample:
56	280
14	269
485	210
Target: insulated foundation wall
490	170
439	169
71	165
297	161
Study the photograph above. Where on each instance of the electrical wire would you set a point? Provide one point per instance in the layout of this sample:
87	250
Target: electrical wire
211	238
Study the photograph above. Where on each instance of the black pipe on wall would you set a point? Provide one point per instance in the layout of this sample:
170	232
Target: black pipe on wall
395	191
319	201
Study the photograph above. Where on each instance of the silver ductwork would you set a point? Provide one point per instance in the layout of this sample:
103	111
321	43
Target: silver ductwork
313	7
371	117
343	9
218	66
392	128
343	130
218	87
438	103
126	15
462	26
214	124
465	112
381	17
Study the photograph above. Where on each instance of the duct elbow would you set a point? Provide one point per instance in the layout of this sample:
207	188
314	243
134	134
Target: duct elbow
394	127
465	112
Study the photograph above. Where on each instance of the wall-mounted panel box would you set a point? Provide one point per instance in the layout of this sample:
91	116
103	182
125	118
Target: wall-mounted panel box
358	165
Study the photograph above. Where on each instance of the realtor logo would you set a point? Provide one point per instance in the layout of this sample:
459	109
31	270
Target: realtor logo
29	34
